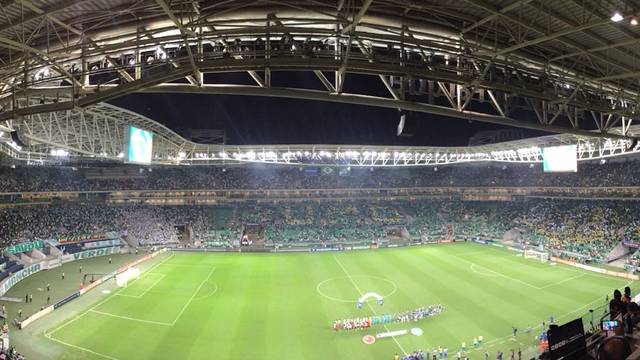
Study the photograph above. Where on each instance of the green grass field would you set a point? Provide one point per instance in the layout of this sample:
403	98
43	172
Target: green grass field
281	306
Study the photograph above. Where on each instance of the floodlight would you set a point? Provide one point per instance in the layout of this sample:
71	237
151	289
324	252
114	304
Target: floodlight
616	17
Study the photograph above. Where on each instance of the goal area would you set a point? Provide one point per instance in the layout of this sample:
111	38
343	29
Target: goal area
537	255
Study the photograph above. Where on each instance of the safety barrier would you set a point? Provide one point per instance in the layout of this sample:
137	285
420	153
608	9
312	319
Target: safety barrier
596	269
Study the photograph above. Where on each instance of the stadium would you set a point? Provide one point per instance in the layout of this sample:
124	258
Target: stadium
304	179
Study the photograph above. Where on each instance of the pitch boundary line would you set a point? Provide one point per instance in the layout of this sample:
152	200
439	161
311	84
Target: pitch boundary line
368	304
49	334
565	267
560	317
50	337
132	318
193	296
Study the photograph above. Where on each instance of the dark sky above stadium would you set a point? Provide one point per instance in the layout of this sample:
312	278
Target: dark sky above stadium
269	120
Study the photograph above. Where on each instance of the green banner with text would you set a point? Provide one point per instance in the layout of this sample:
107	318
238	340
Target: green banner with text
24	247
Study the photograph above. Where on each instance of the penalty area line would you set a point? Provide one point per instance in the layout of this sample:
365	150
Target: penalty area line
49	333
132	318
498	273
194	295
563	281
368	304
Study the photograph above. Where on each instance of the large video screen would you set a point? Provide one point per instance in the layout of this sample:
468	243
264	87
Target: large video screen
560	158
139	145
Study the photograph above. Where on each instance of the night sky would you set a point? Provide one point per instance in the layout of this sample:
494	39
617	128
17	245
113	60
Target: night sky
270	120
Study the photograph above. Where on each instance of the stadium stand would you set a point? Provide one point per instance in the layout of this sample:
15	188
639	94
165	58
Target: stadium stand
21	179
583	229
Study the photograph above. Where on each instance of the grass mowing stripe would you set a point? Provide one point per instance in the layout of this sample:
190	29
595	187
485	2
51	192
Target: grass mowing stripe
270	308
49	334
370	307
563	281
498	273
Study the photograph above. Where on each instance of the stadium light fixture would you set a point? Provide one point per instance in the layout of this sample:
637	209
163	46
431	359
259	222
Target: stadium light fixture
59	152
14	145
633	21
617	17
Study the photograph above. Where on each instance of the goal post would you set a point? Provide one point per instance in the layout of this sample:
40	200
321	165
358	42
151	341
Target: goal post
535	254
124	277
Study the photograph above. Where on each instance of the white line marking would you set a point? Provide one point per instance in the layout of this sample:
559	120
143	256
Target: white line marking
320	284
563	281
210	294
162	276
561	317
498	273
472	268
368	304
49	333
565	267
48	336
190	266
193	296
132	318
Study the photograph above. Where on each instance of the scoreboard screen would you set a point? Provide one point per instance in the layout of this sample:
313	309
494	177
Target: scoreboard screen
560	158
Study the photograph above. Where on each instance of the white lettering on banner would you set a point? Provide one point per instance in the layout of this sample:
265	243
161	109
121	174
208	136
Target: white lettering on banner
102	243
94	253
17	277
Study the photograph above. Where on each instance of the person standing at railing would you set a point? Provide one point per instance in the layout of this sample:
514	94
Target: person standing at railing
616	306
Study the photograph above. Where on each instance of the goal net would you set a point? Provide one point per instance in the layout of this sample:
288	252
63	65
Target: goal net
124	277
538	255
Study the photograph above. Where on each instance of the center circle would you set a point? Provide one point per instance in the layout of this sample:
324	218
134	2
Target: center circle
333	288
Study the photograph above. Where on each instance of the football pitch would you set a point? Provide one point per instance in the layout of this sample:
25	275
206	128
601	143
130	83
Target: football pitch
282	306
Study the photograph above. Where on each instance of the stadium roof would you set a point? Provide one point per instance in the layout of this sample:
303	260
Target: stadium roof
98	132
559	66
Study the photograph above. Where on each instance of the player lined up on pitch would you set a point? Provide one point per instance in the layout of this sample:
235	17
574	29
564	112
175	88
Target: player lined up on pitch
369	321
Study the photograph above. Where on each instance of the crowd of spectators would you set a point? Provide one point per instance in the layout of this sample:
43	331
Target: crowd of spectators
148	225
11	354
35	178
584	228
